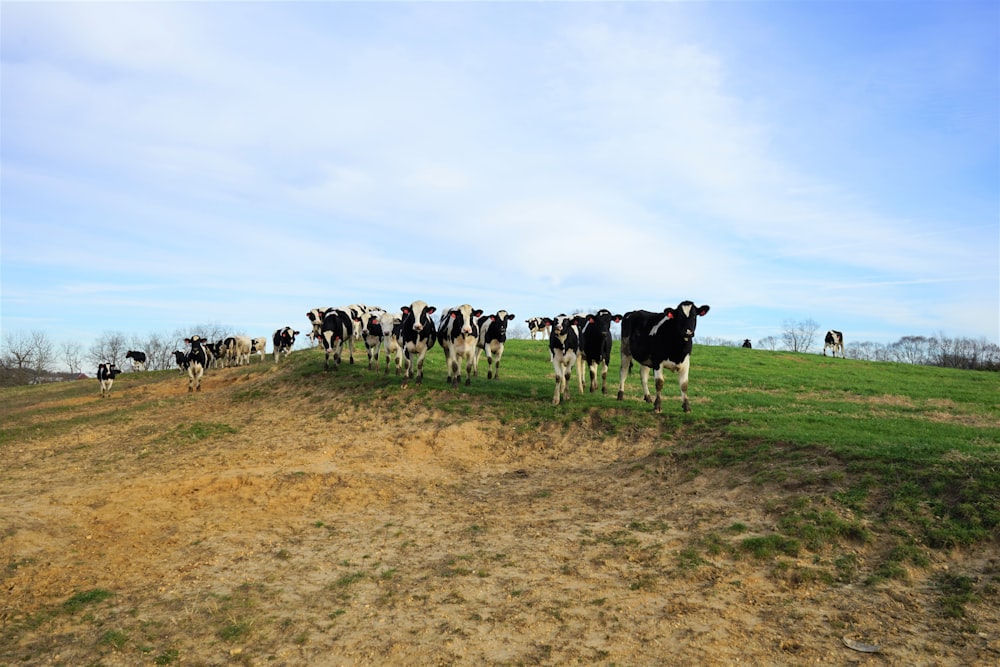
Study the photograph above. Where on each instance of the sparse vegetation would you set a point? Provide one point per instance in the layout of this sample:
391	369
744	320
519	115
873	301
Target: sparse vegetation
343	501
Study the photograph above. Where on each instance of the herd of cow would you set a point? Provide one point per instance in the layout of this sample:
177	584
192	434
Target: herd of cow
655	340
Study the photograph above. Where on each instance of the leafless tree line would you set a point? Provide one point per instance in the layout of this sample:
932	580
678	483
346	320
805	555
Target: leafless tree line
31	357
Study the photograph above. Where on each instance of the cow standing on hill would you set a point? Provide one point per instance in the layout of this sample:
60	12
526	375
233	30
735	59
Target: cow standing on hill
106	374
595	348
417	336
336	329
564	345
492	339
458	332
658	341
283	340
834	341
138	359
746	344
537	325
198	358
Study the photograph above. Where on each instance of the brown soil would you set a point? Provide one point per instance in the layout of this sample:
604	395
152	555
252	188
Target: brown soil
330	535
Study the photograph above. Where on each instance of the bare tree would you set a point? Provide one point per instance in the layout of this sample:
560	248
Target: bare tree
768	343
17	359
72	355
109	348
159	353
43	353
799	336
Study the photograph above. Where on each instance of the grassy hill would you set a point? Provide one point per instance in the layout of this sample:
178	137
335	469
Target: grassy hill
795	471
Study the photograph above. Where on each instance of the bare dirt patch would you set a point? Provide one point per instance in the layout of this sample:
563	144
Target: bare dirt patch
285	531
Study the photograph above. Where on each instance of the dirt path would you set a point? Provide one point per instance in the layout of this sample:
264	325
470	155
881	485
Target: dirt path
273	533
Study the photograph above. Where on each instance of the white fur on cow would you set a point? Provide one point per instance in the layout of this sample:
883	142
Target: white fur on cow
198	358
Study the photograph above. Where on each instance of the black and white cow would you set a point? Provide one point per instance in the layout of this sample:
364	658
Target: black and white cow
106	374
182	360
458	332
595	347
258	346
336	330
198	358
373	335
658	341
834	341
564	345
746	344
536	325
492	338
283	340
138	359
417	335
389	326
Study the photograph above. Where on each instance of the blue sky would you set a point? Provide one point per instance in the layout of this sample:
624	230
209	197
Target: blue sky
172	164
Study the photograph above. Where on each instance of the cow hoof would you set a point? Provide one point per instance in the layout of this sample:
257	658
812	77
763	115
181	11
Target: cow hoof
621	395
468	382
647	398
687	406
489	376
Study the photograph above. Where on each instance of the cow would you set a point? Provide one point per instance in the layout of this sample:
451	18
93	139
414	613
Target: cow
658	341
336	329
834	341
746	344
458	332
318	316
258	346
198	358
283	340
106	374
373	335
595	347
138	359
536	325
390	325
182	360
417	336
492	338
564	345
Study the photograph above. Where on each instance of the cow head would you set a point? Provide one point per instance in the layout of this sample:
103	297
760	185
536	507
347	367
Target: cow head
420	312
685	318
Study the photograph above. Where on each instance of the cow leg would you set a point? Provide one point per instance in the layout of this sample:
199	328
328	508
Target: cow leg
623	373
658	403
644	376
682	380
593	376
604	377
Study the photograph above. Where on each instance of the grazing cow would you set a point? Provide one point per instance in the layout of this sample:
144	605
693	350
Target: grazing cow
258	346
458	332
492	338
182	360
417	336
746	344
106	374
138	359
198	358
658	341
834	341
337	328
564	345
536	325
595	347
283	340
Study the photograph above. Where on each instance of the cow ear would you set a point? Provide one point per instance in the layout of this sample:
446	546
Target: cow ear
670	313
431	310
478	312
703	310
616	318
511	317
